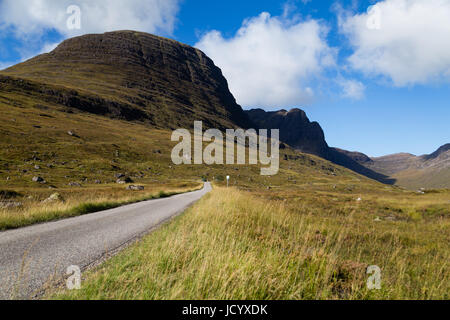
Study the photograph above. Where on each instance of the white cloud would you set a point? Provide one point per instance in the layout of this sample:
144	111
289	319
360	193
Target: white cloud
411	45
352	89
29	18
271	61
49	47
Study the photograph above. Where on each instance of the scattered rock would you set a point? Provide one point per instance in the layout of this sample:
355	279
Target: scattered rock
119	175
37	167
359	199
135	188
74	184
10	204
8	178
72	134
97	182
124	180
39	180
377	219
54	197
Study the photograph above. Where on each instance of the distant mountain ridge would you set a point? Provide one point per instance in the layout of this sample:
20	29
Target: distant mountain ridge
297	131
425	171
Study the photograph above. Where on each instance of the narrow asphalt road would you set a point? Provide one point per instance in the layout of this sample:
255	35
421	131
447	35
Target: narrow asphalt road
31	256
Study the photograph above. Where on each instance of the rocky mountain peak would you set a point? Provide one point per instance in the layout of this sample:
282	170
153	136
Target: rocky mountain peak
168	82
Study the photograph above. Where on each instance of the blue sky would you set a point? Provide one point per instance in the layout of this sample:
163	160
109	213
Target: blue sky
373	88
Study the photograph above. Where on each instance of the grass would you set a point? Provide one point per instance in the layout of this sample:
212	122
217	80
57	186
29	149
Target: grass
248	245
80	204
298	235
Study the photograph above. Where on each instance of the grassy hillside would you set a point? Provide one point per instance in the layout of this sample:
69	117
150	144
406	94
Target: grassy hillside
101	108
84	167
425	178
130	75
291	243
413	172
299	234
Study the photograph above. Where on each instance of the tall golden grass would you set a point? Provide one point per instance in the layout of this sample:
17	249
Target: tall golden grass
234	245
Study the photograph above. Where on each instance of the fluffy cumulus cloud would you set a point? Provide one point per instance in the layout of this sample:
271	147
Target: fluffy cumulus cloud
406	41
29	18
352	89
271	61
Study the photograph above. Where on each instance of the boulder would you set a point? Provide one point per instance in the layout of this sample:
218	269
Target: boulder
39	180
74	184
135	188
124	180
72	134
10	204
54	197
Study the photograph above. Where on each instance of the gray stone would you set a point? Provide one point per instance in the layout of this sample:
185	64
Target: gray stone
10	204
125	180
74	184
135	188
39	180
54	197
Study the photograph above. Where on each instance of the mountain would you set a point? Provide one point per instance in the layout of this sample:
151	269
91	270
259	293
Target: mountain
300	133
411	171
157	82
295	129
130	75
103	106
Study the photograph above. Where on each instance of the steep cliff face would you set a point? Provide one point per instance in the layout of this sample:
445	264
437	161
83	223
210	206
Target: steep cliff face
165	83
297	131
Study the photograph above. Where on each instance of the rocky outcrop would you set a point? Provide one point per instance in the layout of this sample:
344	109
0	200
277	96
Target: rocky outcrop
133	76
295	129
301	134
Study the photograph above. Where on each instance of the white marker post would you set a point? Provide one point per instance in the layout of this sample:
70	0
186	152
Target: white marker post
228	180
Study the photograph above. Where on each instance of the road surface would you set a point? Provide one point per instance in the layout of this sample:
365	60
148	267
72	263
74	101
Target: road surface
30	257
